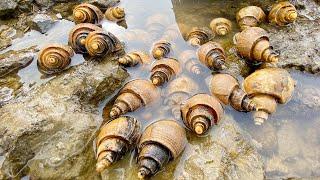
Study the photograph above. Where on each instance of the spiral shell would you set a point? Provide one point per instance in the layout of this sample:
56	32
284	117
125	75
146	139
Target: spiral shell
198	36
115	139
100	43
137	35
212	55
161	142
134	58
283	13
87	13
164	70
161	49
221	26
115	14
190	62
78	35
200	112
54	58
156	25
172	33
250	16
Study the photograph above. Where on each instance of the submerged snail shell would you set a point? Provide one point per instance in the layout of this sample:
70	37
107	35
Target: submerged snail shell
78	35
115	139
227	89
250	16
200	112
190	62
161	142
221	26
138	35
253	43
54	58
198	36
134	58
283	13
87	13
115	14
164	70
156	25
179	90
161	49
212	55
133	95
266	87
100	43
172	33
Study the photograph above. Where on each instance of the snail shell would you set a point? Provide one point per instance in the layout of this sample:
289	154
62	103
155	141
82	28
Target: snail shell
253	43
156	25
283	13
133	95
134	58
164	70
115	14
179	90
172	33
137	35
100	43
161	49
212	55
198	36
78	35
267	87
250	16
221	26
54	58
87	13
200	112
190	61
115	139
161	142
227	89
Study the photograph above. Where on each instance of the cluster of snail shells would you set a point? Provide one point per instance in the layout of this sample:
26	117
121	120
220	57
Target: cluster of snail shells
134	58
212	55
198	36
161	49
164	70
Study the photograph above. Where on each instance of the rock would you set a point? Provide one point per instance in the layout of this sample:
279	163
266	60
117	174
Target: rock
104	4
45	3
42	23
7	6
4	43
54	124
9	88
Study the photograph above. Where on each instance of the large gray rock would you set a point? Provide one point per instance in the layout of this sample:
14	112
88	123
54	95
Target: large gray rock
42	23
7	6
50	128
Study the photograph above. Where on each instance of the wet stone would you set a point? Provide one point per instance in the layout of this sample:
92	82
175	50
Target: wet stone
104	4
7	6
42	23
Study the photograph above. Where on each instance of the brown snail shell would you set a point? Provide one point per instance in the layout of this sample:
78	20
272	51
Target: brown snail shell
253	43
133	95
115	139
134	58
100	43
266	87
250	16
221	26
54	58
164	70
115	14
283	13
161	49
160	143
200	112
212	55
78	35
137	35
179	90
87	13
227	89
190	61
198	36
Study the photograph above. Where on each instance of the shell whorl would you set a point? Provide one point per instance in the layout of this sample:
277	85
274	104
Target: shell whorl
115	14
161	49
250	16
134	58
87	13
164	70
221	26
212	55
283	13
198	36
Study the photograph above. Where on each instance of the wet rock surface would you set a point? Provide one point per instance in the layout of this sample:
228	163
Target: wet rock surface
7	6
41	23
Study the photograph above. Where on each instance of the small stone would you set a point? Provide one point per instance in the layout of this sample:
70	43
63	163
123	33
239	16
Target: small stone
42	23
7	6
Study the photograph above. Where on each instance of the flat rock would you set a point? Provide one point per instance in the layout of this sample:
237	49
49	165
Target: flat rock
7	6
42	23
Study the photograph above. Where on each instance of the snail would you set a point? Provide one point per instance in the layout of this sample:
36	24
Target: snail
227	89
115	139
164	70
156	25
212	55
54	58
250	16
190	62
172	33
221	26
100	43
253	43
133	95
78	35
160	143
115	14
179	90
161	49
138	35
198	36
200	112
87	13
134	58
283	13
267	87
